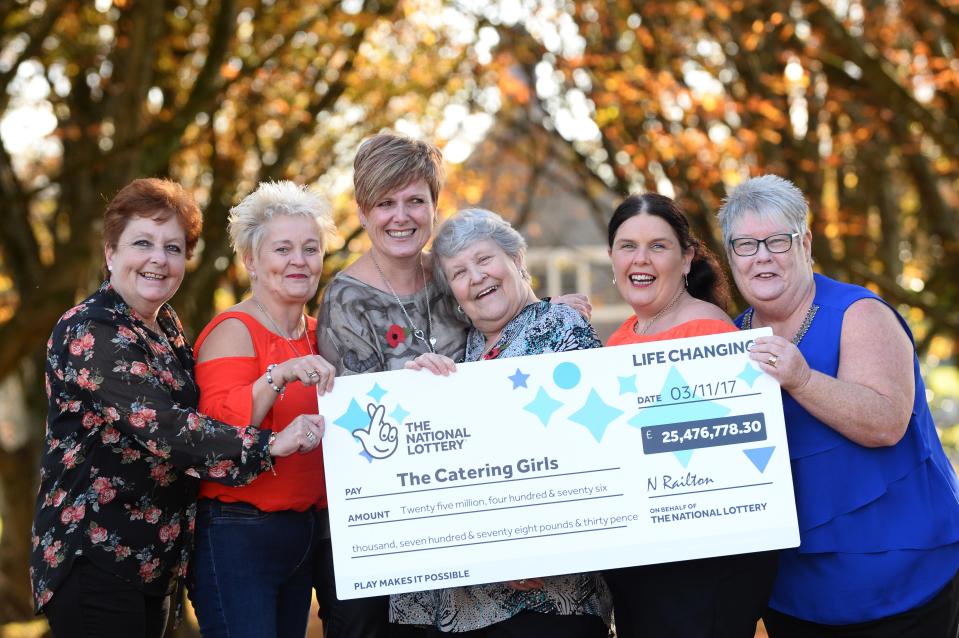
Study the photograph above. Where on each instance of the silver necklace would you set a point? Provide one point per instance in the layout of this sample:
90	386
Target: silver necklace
431	342
803	327
279	332
649	324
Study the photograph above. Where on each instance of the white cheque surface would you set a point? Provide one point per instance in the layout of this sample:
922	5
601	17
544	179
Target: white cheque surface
555	464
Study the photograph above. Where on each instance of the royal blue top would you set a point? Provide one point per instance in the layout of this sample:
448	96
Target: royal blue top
879	527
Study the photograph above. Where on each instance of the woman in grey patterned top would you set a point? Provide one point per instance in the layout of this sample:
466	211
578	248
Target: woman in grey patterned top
384	310
481	258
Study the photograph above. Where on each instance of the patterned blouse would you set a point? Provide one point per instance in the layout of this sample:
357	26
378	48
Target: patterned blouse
362	329
125	448
539	328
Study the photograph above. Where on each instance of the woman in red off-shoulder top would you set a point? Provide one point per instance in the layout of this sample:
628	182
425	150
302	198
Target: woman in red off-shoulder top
257	363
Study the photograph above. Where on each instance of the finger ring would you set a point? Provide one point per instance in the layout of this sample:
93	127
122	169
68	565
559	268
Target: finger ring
772	360
313	374
310	437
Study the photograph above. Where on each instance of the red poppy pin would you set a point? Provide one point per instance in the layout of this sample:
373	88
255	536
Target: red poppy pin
395	335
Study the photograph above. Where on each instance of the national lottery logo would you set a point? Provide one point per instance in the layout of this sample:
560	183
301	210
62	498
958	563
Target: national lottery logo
380	437
384	426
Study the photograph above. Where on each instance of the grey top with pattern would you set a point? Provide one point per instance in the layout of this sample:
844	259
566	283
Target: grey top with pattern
354	322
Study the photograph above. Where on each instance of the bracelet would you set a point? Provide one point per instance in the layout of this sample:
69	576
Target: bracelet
269	379
269	444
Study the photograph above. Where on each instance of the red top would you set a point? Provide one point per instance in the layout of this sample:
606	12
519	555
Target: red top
226	394
695	328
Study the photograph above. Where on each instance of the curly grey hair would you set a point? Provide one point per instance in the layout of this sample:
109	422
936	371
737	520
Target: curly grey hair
471	225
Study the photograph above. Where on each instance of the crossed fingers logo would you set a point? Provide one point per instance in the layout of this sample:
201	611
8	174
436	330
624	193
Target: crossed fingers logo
380	438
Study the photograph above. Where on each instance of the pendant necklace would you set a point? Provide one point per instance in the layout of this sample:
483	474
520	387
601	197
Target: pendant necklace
431	342
280	333
649	324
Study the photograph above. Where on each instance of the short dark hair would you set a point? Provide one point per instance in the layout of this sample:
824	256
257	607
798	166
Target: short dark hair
706	279
157	199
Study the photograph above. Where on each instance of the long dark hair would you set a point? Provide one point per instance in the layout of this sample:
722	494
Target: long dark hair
706	278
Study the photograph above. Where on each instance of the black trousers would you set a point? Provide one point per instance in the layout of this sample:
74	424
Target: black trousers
721	597
939	618
529	624
93	603
355	618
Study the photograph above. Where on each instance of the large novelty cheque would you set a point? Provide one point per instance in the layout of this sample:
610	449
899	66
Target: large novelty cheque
555	464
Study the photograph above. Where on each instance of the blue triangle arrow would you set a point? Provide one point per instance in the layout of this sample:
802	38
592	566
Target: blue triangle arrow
760	456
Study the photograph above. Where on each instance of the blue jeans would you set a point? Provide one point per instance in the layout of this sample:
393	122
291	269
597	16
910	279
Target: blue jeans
251	574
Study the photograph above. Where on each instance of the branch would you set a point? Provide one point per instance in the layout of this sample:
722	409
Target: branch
877	74
133	75
946	322
36	31
21	252
163	139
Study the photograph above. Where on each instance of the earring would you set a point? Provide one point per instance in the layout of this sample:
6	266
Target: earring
460	310
110	267
614	280
685	280
252	276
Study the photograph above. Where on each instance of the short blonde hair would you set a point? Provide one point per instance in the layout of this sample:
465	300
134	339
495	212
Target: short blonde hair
389	161
270	199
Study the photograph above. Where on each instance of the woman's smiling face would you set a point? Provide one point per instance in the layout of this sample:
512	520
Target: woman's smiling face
487	283
400	223
648	263
767	276
148	262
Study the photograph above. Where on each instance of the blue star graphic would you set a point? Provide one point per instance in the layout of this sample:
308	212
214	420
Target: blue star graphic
519	379
354	417
543	406
376	393
627	385
366	455
399	413
595	415
749	374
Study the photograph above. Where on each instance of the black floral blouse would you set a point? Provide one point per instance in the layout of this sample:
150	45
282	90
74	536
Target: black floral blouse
125	449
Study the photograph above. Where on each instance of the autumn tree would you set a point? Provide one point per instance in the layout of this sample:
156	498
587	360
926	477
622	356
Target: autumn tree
858	107
218	94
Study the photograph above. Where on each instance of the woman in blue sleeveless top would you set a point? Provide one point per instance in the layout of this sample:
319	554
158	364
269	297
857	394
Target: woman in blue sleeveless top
878	500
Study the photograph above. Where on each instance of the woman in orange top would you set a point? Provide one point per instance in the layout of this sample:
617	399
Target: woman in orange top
252	574
677	289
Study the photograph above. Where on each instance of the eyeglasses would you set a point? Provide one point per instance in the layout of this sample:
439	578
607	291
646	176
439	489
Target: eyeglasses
747	246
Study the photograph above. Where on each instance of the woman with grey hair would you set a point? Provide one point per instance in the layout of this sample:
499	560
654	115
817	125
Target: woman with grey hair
877	498
480	258
257	364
